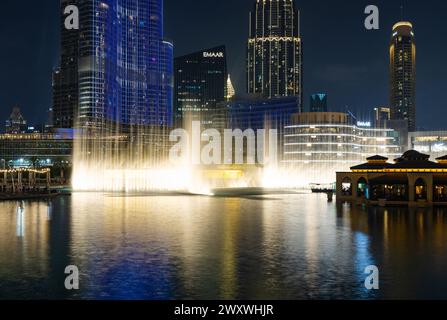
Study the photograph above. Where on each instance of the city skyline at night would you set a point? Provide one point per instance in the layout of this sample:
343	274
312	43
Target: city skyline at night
361	59
223	157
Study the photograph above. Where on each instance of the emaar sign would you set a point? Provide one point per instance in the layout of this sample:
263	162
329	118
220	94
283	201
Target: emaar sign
213	54
366	124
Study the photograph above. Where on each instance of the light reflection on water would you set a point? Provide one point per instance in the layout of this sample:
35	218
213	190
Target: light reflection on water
193	247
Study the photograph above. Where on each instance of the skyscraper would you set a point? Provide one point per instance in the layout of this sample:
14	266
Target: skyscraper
65	77
403	74
274	59
381	116
16	123
318	102
256	113
200	82
119	64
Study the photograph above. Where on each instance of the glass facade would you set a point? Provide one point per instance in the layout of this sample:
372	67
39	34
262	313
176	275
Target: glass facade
124	67
259	114
200	83
274	50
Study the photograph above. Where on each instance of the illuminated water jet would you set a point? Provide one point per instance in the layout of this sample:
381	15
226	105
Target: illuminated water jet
141	161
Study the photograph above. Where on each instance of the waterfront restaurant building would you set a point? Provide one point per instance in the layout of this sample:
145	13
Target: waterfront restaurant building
411	180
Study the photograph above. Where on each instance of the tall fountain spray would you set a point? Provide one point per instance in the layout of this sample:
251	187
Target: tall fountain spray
125	100
148	159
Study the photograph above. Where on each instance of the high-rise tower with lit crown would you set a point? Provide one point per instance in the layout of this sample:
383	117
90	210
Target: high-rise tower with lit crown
403	74
274	59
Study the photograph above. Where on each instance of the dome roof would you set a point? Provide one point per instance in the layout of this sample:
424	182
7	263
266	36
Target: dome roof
413	155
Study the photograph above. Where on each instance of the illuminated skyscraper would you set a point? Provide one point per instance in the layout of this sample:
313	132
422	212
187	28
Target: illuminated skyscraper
200	83
230	89
274	60
124	71
403	74
16	123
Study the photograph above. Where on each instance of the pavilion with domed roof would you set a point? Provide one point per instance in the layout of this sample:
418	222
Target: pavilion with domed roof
411	179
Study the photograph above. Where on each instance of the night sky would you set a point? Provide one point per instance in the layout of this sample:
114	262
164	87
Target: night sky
341	57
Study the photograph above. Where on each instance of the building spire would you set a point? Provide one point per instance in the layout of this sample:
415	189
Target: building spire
230	89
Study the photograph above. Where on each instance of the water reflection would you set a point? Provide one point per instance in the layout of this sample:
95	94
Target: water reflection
49	210
20	219
164	247
409	245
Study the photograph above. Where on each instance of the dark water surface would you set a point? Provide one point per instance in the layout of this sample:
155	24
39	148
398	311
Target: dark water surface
193	247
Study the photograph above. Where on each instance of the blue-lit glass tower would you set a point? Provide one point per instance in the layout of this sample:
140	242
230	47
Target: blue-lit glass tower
125	67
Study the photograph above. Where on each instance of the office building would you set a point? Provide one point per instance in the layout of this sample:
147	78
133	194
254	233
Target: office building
256	112
318	102
403	74
201	81
274	59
